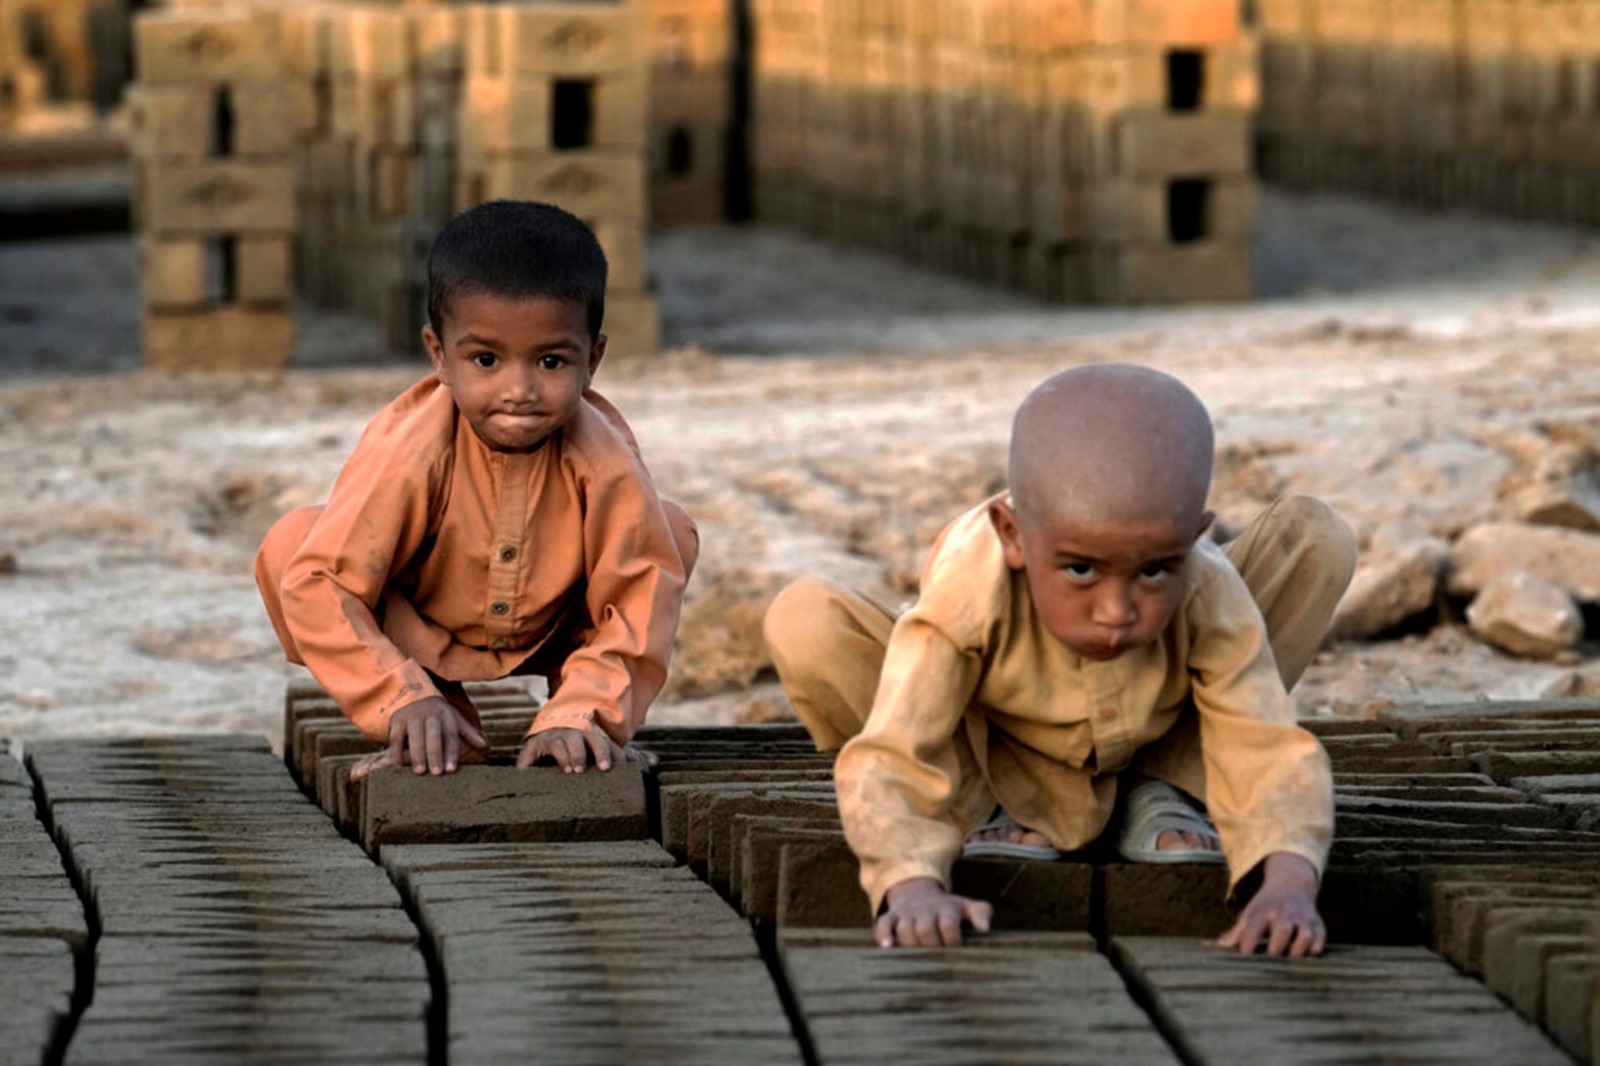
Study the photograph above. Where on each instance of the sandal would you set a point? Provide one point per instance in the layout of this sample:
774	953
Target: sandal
1153	807
1004	849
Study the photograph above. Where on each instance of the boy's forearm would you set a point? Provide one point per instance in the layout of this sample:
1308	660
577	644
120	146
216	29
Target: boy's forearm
1289	869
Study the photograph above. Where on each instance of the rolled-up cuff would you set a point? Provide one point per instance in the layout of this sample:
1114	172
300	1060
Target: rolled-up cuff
371	711
1242	864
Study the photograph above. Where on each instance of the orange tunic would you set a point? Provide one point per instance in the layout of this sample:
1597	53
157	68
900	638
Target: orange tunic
1050	731
435	553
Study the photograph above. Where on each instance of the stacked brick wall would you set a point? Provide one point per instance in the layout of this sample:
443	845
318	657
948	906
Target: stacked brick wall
691	46
1083	150
62	52
398	118
214	135
22	78
1486	104
377	180
555	97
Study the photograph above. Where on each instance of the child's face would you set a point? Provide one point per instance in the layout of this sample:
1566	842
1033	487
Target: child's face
1104	586
517	367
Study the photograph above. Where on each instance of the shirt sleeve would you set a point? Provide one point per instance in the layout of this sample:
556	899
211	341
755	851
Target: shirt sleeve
633	592
898	777
1269	785
375	520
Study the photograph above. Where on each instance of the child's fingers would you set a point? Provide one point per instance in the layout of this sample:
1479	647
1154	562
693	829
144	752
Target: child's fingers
532	749
978	914
417	748
569	749
376	761
600	745
1280	935
452	749
433	745
925	929
397	743
648	759
883	931
948	921
1305	942
473	736
1245	934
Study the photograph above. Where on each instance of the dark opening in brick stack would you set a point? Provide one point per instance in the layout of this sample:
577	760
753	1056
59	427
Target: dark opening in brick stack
691	50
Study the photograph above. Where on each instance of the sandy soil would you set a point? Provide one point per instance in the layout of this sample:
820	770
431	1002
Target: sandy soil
823	412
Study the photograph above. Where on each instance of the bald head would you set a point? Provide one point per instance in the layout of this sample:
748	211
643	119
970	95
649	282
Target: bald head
1111	441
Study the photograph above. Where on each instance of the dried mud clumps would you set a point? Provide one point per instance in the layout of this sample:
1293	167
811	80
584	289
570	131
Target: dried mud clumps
1524	580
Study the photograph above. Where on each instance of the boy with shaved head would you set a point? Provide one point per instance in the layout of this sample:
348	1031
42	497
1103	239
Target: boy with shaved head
1079	649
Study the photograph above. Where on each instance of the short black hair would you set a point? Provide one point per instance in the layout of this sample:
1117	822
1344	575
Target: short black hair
517	249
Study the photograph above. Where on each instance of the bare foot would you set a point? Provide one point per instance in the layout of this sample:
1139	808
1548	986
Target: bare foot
1007	833
1184	840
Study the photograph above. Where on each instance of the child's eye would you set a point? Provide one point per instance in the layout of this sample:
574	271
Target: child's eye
550	361
1157	572
1079	572
486	360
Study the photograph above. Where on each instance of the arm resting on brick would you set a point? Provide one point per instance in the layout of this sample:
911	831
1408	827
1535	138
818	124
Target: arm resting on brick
634	594
1269	787
897	778
373	522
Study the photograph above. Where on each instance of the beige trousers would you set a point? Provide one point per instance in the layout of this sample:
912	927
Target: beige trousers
828	643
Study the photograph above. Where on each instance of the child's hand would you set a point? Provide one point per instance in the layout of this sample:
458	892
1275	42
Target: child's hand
429	735
1284	910
922	914
570	749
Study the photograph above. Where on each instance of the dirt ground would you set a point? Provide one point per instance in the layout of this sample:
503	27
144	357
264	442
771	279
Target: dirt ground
821	412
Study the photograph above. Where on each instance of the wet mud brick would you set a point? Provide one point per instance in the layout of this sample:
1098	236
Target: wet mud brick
1521	954
234	924
500	703
593	952
1006	997
318	738
684	808
502	803
819	887
761	841
42	924
711	842
1411	720
1394	1004
1571	986
1475	919
1182	899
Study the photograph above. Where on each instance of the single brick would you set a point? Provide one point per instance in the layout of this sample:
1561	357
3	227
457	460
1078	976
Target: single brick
1346	999
1166	900
1016	997
501	803
819	887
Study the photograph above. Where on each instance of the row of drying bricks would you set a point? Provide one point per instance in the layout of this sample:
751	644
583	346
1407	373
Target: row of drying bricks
226	927
235	832
751	810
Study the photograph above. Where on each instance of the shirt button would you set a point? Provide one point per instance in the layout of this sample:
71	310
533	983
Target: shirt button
508	553
1107	713
499	607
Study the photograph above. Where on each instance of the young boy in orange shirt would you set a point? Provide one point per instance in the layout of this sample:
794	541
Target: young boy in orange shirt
1075	638
494	519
